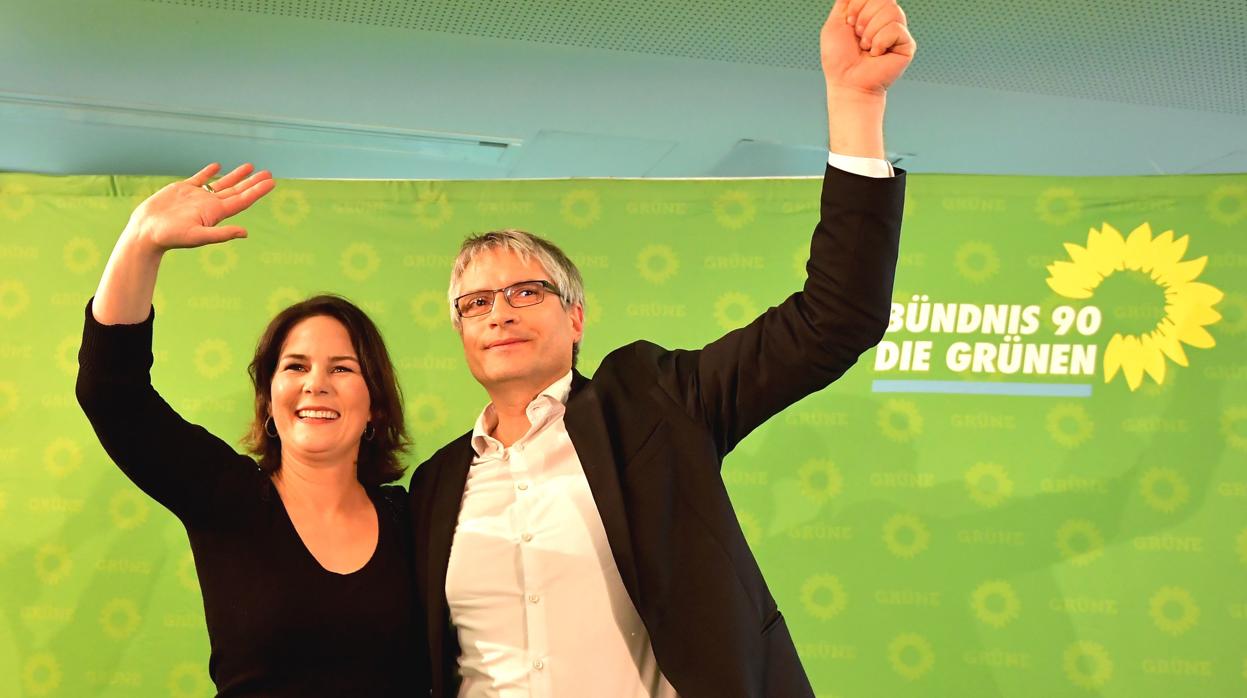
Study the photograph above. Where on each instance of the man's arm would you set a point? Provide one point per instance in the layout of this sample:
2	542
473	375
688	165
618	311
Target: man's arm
743	378
864	47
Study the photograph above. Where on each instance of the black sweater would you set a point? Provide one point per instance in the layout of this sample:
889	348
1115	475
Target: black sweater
278	622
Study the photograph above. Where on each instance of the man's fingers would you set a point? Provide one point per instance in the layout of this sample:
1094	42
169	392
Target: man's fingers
877	20
851	10
893	38
234	177
201	177
242	200
839	11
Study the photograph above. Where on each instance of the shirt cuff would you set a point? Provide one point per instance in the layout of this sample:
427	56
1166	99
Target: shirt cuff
866	167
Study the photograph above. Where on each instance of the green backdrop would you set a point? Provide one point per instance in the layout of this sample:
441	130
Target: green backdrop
974	510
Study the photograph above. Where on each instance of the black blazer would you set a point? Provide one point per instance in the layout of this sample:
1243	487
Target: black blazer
651	429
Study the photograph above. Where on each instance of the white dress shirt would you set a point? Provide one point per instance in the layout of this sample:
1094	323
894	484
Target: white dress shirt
531	583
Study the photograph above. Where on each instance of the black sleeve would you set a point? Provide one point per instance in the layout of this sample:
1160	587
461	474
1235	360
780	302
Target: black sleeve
191	472
740	380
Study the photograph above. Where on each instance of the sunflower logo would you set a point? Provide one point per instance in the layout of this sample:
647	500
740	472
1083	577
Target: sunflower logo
359	261
911	656
823	596
581	208
186	680
905	535
820	480
734	209
1228	204
212	358
751	527
1234	427
1234	313
1173	610
80	255
41	674
217	260
1079	541
593	309
1164	489
120	618
976	261
127	509
432	209
995	603
988	484
1188	303
1087	665
289	206
1058	206
8	398
657	263
53	564
428	309
799	259
1069	425
281	298
62	457
426	413
186	572
899	420
734	309
16	202
66	354
13	299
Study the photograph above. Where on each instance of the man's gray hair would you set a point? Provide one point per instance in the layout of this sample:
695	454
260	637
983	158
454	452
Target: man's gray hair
562	271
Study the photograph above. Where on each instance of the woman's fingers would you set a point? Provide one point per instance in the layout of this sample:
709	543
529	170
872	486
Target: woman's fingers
234	177
236	187
208	235
243	196
201	177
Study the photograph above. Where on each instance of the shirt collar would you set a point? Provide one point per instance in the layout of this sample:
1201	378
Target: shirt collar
482	442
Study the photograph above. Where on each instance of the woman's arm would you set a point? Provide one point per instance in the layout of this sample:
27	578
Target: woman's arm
177	463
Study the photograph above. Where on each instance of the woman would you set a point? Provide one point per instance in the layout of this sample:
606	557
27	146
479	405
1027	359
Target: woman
302	555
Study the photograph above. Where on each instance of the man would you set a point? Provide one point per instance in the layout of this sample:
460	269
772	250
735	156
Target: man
580	541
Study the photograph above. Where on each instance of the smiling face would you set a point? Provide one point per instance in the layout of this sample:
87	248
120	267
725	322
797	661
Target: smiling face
516	348
318	398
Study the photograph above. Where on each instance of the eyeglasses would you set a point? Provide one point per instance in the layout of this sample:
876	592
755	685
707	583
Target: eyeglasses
518	295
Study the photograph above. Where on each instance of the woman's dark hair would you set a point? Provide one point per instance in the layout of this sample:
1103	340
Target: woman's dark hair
379	460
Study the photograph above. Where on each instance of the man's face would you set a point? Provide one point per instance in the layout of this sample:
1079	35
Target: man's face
529	347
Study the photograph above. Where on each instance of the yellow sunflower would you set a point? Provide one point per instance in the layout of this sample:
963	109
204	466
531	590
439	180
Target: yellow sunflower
1188	303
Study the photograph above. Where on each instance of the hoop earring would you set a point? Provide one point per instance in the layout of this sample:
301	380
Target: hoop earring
272	433
369	431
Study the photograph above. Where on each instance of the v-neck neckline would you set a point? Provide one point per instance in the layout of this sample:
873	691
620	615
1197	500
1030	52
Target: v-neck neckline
307	552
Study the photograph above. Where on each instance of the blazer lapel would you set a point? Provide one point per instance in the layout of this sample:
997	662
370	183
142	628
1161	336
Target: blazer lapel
443	517
589	435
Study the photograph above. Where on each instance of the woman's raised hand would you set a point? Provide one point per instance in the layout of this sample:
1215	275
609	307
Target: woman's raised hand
183	214
186	213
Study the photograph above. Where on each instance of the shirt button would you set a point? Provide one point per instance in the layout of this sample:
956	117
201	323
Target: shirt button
522	486
526	537
538	664
533	598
